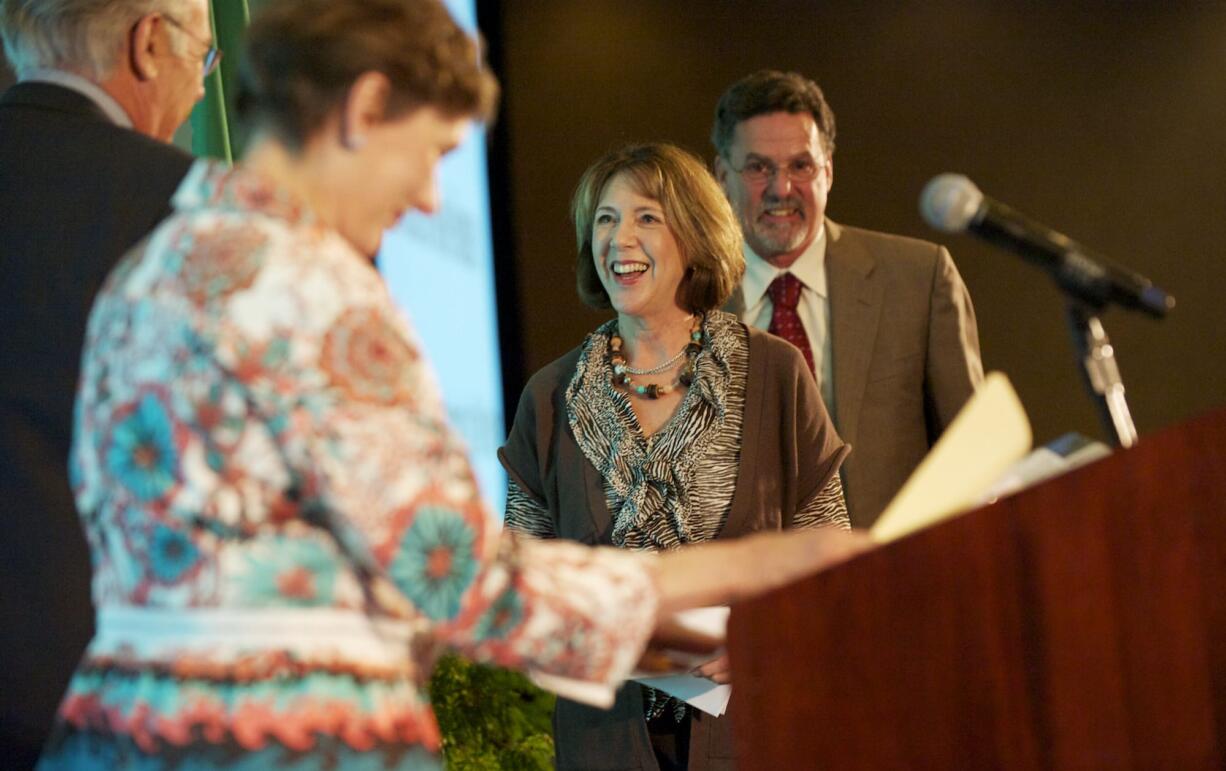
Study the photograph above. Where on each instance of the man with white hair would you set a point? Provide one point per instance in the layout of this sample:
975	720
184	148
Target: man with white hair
85	173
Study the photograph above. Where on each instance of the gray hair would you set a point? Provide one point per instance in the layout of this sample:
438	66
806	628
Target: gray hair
81	36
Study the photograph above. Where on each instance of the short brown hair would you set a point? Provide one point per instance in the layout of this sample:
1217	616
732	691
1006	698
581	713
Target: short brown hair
302	56
695	210
765	92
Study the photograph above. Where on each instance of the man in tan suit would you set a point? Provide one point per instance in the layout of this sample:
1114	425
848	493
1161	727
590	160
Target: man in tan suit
885	322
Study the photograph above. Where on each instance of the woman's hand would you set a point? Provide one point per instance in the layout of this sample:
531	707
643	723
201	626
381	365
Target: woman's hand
717	670
670	643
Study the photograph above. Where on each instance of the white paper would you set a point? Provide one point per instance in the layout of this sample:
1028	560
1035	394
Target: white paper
698	692
1044	463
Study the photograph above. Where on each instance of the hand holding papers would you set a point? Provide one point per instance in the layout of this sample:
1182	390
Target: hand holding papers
687	639
691	638
698	692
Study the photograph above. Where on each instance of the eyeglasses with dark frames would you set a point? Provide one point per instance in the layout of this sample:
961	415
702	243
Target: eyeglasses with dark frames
801	169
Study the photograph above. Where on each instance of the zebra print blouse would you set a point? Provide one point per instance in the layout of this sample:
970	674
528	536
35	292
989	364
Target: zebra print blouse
674	487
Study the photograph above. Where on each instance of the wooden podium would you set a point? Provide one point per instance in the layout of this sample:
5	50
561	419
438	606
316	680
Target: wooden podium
1080	624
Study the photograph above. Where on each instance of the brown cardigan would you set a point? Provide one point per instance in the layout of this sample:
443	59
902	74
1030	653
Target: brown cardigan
789	451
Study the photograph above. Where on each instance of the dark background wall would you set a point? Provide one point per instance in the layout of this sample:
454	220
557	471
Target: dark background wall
1102	119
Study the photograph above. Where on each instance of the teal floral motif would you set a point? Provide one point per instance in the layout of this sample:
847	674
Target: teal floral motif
501	618
142	453
291	572
436	561
171	554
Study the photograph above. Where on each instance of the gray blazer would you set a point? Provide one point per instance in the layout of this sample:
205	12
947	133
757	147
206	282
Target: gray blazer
906	356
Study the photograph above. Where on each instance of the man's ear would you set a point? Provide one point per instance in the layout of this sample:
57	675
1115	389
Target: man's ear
720	167
829	174
142	47
365	107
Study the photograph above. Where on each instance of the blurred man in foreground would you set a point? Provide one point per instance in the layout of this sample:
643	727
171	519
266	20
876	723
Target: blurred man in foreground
85	173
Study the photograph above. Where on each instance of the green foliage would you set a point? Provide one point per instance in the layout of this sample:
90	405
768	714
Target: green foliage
492	719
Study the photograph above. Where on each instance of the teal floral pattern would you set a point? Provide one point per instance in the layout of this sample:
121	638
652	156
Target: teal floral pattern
142	455
285	571
503	617
436	562
172	554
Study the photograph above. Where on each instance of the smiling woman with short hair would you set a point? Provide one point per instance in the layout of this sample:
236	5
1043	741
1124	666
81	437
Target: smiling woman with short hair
671	424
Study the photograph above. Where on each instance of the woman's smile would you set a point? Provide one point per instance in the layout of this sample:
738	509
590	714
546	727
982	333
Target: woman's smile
628	272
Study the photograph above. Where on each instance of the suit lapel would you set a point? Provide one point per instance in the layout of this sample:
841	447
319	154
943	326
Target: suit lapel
855	309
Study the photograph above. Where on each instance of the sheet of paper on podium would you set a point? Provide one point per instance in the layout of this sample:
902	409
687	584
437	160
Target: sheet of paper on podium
989	435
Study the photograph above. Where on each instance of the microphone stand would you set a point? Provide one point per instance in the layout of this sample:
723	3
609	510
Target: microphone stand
1100	373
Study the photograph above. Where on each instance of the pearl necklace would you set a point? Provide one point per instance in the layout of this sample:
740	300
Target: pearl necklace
657	370
622	371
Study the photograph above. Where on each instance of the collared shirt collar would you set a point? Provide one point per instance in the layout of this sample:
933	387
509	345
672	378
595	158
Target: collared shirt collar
86	88
810	268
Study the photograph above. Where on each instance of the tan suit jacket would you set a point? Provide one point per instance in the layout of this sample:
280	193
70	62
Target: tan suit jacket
906	356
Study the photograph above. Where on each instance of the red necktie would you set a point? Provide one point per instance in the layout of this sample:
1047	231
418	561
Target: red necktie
784	292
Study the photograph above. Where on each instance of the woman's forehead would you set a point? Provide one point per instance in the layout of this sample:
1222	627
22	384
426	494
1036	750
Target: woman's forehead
642	180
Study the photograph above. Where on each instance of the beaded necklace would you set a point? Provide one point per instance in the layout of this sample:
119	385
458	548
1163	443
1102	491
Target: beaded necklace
622	371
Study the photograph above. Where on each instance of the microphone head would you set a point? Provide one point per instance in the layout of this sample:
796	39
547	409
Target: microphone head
950	202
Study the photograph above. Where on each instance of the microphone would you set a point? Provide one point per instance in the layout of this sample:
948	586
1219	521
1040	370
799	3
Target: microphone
952	203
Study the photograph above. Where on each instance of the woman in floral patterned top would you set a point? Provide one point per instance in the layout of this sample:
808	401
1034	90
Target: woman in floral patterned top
283	525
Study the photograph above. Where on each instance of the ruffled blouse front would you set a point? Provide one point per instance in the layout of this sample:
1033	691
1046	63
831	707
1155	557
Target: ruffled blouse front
676	486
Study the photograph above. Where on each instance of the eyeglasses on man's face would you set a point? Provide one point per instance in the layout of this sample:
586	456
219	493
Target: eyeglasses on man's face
212	56
800	169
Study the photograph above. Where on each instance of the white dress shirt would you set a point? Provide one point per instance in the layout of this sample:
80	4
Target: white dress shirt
813	308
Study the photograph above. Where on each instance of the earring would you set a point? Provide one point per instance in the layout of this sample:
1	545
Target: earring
354	141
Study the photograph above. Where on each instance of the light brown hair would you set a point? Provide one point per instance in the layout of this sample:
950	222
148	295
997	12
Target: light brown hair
695	211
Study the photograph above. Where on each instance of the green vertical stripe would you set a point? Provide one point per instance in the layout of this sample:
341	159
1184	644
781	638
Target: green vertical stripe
213	132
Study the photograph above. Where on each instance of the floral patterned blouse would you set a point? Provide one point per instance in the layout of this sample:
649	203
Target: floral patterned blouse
283	525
